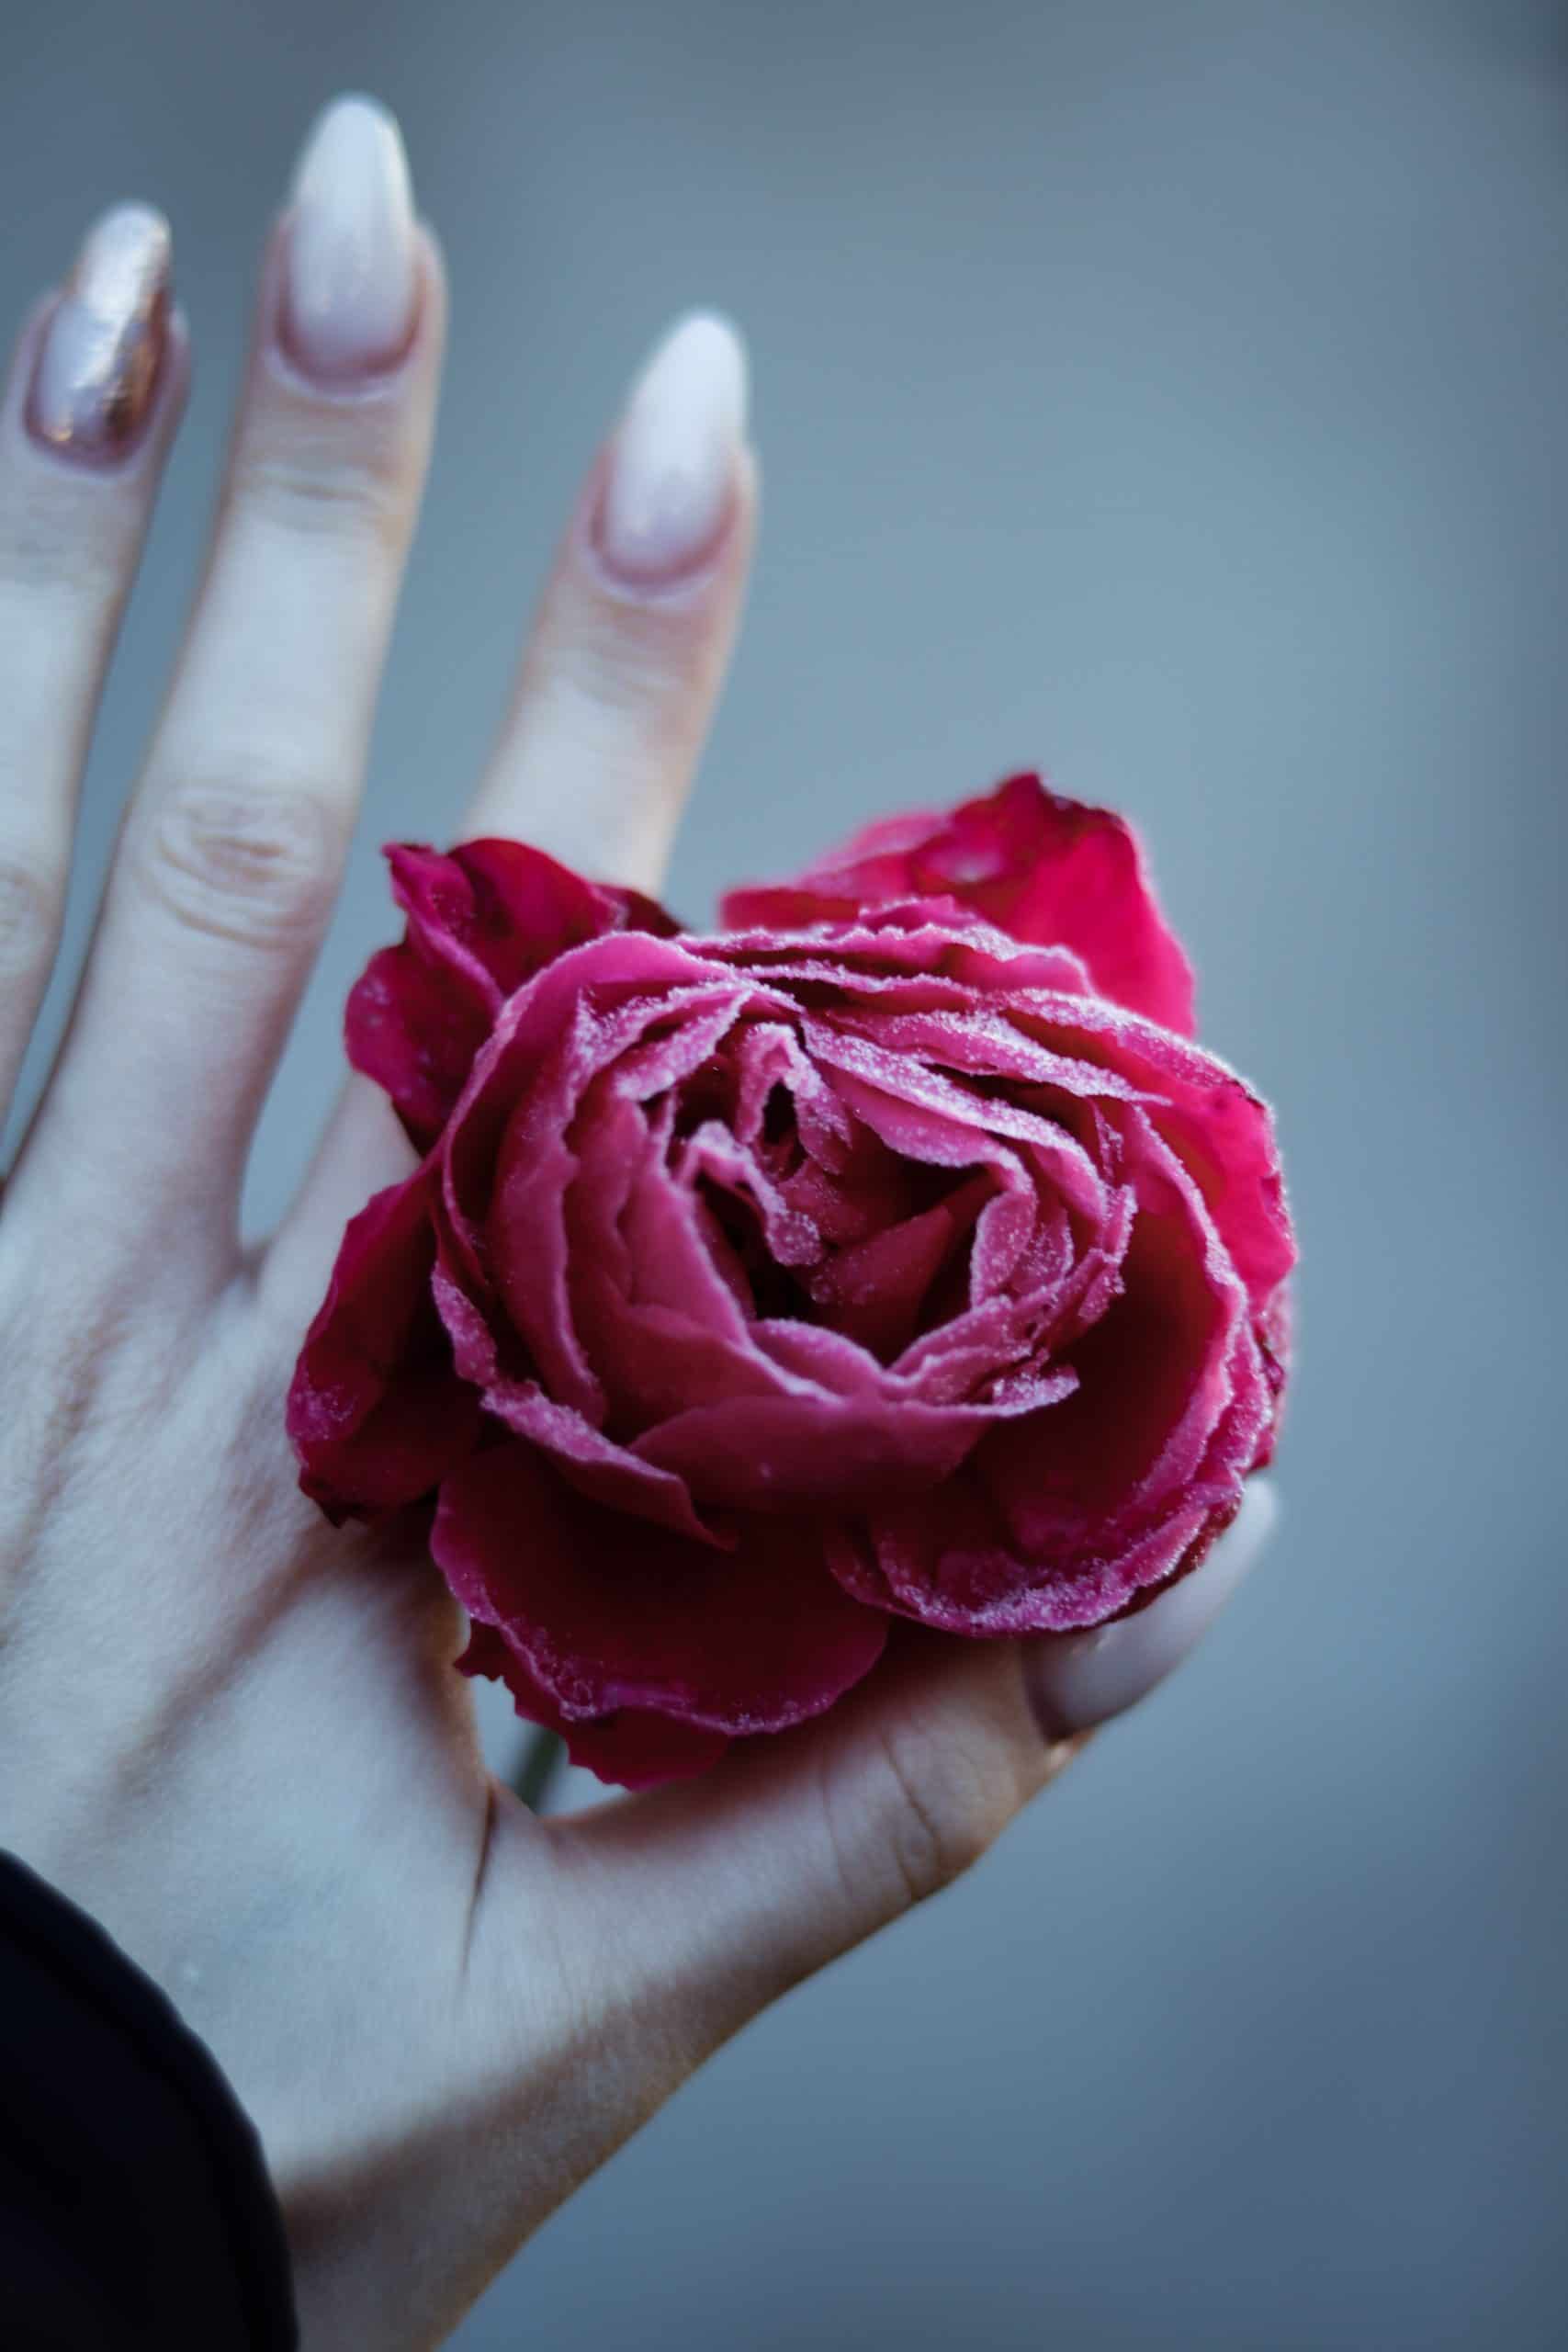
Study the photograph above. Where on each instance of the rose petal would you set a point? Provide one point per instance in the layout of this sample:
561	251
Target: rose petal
805	1453
651	1311
590	1461
496	911
1043	867
1153	1381
480	920
875	1291
1057	1519
609	1613
633	1748
955	1567
414	1029
1218	1128
377	1411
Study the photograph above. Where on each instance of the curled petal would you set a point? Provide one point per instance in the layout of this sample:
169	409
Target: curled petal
588	1459
958	1567
1156	1378
1060	1519
496	911
377	1411
482	919
1220	1130
633	1748
1047	869
415	1028
609	1612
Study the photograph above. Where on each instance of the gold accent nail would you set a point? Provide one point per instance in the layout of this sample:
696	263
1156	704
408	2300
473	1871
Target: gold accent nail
97	366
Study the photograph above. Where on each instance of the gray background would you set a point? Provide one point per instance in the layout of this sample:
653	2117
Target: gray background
1170	396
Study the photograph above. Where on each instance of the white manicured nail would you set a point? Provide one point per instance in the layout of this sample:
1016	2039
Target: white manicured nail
350	285
1077	1681
675	449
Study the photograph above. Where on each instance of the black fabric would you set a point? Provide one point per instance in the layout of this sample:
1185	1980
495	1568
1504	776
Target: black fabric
135	2207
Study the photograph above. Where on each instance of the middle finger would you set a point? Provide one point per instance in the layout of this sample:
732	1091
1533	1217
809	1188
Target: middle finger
610	702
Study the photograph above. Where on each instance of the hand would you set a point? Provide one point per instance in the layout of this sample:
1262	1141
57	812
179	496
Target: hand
231	1735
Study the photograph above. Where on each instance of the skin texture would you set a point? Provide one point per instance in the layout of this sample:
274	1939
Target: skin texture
231	1733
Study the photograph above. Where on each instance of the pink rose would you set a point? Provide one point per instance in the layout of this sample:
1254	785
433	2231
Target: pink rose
890	1253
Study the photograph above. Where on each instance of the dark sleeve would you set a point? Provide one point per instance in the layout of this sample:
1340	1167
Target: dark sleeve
135	2207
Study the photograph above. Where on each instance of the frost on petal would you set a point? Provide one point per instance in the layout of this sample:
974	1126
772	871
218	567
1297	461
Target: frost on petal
609	1613
1221	1131
1155	1379
1048	870
1060	1518
632	1747
482	919
662	1328
958	1567
496	911
377	1411
597	1464
415	1028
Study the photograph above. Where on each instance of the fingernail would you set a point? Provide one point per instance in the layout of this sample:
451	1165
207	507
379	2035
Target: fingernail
97	368
1077	1681
349	285
1062	1752
674	454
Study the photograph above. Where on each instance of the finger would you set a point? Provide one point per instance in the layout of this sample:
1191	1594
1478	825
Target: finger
615	691
231	853
797	1848
611	704
96	391
1080	1680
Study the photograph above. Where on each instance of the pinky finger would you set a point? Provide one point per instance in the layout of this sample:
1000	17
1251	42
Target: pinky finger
793	1847
92	400
1078	1681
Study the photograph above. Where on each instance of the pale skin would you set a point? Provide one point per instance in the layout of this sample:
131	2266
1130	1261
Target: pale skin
231	1733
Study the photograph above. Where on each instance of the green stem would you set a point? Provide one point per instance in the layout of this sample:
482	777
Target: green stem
537	1769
